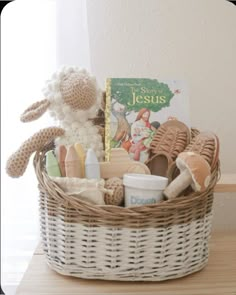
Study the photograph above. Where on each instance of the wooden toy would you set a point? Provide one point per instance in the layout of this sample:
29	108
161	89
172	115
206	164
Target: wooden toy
120	164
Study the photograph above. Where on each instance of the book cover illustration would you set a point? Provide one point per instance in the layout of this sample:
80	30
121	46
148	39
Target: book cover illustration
135	108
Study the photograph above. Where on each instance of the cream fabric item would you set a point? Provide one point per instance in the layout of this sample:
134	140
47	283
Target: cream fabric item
90	190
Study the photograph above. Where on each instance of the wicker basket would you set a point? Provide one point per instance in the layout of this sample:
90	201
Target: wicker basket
147	243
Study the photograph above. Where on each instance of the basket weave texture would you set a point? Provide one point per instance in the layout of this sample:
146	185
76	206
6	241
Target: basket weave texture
147	243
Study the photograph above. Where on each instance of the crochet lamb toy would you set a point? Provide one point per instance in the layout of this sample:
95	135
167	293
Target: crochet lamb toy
72	97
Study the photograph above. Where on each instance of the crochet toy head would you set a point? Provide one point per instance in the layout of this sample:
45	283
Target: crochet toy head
71	95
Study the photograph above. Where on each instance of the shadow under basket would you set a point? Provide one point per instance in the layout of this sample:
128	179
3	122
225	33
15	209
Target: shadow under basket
148	243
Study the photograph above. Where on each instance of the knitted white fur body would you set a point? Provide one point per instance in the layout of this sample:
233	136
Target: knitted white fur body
84	133
75	122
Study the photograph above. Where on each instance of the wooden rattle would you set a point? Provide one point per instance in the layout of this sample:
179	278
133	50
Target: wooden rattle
117	198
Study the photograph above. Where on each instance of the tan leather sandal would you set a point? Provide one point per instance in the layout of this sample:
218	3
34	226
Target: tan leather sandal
205	144
171	138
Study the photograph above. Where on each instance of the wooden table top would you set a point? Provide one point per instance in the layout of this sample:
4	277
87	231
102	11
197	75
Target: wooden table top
218	277
227	183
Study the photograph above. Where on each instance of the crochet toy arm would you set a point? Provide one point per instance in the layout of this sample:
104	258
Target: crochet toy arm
17	163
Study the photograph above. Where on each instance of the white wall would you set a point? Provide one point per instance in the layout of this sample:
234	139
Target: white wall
188	39
72	33
27	60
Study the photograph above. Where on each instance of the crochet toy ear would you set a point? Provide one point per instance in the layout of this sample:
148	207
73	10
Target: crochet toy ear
35	111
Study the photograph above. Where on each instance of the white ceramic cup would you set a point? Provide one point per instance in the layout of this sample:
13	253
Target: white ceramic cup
143	189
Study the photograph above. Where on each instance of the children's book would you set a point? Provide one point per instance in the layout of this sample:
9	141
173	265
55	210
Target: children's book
135	108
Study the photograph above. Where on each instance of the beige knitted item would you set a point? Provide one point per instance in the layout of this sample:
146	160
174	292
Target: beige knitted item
35	111
78	91
117	198
205	144
171	138
72	98
18	161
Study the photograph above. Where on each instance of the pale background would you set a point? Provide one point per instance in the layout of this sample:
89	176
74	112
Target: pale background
184	39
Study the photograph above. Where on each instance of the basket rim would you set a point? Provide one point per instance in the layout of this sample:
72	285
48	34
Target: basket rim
46	184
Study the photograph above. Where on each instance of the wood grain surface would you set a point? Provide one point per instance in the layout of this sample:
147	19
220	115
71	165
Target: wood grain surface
218	277
227	183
